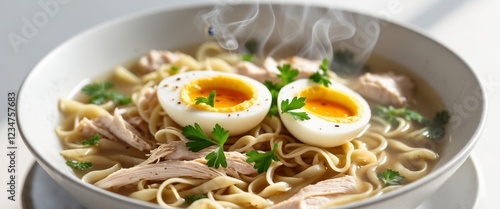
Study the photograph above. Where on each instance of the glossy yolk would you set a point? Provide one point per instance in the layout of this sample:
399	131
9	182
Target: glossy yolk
328	108
224	97
330	104
232	94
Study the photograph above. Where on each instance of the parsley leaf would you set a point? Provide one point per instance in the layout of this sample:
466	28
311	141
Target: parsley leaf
100	93
93	140
274	89
287	76
220	134
119	98
247	57
79	165
199	140
390	113
262	160
321	76
209	101
437	127
390	177
173	70
193	198
216	158
296	103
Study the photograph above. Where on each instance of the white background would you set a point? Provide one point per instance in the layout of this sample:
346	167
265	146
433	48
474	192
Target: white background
471	28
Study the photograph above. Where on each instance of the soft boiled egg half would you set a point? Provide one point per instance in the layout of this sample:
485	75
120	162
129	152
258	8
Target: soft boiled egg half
337	113
240	102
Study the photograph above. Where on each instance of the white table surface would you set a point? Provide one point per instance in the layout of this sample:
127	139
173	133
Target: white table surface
470	28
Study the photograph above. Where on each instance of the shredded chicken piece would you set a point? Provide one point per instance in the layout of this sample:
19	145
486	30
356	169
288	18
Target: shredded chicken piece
140	125
177	150
236	164
251	70
158	172
271	67
156	58
387	88
159	167
115	128
305	66
125	132
316	195
269	70
91	127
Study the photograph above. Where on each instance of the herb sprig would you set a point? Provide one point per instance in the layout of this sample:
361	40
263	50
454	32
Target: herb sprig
263	160
296	103
436	127
79	165
100	93
390	177
287	75
210	100
274	89
199	140
247	57
321	76
92	141
192	198
391	113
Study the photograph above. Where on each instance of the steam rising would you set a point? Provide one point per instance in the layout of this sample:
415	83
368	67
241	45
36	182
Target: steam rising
283	30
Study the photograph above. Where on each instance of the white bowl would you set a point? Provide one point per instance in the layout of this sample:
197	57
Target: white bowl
99	49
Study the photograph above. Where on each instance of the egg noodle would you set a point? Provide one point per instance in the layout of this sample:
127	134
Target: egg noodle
381	146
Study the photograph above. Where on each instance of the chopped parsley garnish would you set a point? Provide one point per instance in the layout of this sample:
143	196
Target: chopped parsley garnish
321	76
437	127
296	103
193	198
287	75
390	177
209	101
262	160
92	141
343	64
274	89
199	140
173	70
101	92
79	165
247	57
391	113
250	50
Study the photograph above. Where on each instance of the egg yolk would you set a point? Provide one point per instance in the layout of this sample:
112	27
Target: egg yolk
232	94
223	98
328	108
330	104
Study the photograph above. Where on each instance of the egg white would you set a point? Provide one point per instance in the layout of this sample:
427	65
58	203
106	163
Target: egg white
317	131
236	122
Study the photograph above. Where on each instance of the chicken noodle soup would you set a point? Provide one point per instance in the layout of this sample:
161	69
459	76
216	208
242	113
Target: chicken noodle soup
139	150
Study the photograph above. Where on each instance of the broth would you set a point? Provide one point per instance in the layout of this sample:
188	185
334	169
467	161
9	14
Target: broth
110	153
